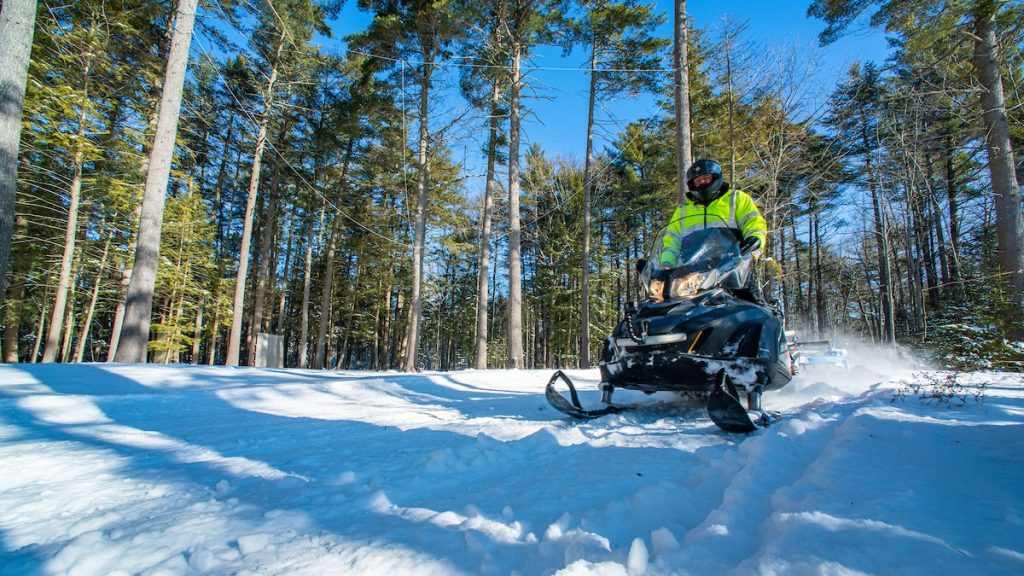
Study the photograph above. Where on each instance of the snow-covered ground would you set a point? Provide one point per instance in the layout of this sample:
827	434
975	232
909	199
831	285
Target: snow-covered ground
199	470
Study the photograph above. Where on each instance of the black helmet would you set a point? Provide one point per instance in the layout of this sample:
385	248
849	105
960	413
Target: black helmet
704	190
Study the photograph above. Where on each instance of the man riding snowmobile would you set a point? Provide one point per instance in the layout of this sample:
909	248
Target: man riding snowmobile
703	330
711	203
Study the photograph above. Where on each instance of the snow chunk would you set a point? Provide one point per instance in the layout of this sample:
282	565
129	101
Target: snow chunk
663	540
637	562
252	543
557	530
719	529
584	568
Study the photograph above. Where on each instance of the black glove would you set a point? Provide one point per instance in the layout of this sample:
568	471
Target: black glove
750	244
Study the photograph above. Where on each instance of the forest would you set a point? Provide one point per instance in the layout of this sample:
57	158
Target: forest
192	174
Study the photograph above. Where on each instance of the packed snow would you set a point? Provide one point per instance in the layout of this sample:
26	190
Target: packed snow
134	469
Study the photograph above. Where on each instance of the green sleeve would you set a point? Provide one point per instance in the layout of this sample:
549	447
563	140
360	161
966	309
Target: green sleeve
671	241
750	220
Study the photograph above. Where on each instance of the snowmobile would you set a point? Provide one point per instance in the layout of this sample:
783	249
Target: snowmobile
700	332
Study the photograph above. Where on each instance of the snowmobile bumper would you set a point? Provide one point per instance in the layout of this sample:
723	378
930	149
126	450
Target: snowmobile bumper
670	368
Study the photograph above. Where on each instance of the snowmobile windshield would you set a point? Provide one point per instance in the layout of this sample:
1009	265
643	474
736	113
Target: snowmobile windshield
698	261
699	251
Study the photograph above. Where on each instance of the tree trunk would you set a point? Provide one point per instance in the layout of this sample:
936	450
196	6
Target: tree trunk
12	320
69	319
262	275
888	334
783	264
282	303
238	307
52	348
480	362
343	350
197	336
39	331
328	289
115	332
727	52
681	76
327	295
16	296
83	335
515	278
819	294
926	248
812	276
936	222
174	355
954	216
218	210
911	225
382	326
587	185
306	283
214	332
1007	195
17	23
492	302
139	301
122	292
397	342
799	304
415	302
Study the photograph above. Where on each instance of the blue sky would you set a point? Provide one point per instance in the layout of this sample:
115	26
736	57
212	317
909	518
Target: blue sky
557	119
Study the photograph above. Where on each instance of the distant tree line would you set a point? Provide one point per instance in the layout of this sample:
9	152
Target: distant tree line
324	195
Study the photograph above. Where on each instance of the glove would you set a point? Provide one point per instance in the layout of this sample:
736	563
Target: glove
751	244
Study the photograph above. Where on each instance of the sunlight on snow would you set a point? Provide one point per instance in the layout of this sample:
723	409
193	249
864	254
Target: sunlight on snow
79	416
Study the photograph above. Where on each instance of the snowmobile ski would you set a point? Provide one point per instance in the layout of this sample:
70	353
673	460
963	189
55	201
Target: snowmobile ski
723	405
726	411
574	408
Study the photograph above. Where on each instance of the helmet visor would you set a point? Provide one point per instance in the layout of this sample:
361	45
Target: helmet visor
703	180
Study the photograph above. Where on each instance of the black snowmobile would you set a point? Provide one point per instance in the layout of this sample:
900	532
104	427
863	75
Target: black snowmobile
707	336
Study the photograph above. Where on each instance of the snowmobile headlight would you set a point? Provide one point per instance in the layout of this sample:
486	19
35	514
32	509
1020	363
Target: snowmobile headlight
688	285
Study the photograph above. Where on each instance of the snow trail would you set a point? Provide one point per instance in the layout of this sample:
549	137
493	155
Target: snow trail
200	470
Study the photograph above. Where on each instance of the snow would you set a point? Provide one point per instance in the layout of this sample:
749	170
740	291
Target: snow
136	469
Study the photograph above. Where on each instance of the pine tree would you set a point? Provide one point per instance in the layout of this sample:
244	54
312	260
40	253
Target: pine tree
624	59
525	23
981	19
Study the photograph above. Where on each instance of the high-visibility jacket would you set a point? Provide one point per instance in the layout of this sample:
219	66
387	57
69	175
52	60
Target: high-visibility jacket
735	210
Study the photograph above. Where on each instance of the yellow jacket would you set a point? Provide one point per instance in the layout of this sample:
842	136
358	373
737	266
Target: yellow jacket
735	209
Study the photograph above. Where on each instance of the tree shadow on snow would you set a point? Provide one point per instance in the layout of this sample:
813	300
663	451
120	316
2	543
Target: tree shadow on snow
362	482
